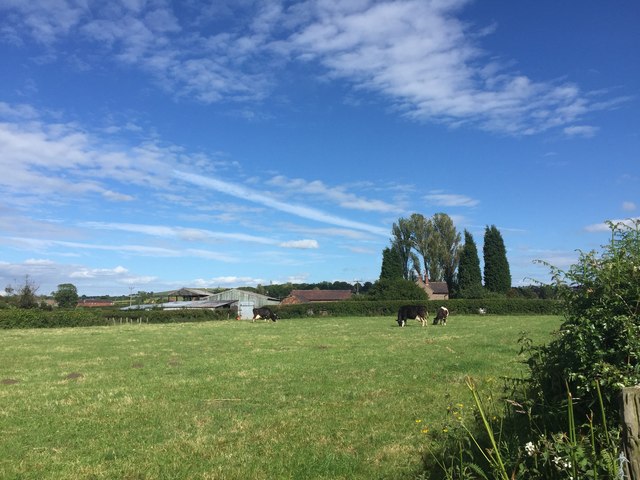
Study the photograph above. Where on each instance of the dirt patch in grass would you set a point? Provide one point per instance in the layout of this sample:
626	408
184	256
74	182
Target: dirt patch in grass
74	376
137	365
9	381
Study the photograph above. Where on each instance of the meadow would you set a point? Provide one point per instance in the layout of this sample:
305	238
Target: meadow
322	398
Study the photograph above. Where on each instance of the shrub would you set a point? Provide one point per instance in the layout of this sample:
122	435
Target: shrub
562	421
600	338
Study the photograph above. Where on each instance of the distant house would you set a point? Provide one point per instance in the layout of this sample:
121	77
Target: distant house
435	290
315	296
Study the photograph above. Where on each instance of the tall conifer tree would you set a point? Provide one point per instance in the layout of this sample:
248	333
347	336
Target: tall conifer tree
497	276
469	273
392	268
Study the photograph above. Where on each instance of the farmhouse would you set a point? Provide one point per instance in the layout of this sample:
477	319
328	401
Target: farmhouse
315	296
435	290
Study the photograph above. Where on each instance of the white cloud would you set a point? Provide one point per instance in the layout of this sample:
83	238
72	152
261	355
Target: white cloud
258	197
586	131
451	200
415	53
302	244
604	227
419	55
336	195
629	206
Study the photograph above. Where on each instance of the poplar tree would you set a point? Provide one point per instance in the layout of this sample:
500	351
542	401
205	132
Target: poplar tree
497	277
469	273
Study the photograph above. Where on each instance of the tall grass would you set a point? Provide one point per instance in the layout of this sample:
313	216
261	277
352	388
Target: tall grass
316	398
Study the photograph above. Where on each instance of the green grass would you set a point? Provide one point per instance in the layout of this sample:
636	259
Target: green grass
314	398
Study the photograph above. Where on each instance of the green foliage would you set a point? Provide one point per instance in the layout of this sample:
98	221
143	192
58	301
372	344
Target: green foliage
562	421
35	318
600	338
363	306
469	274
428	246
66	296
497	276
386	289
391	264
403	232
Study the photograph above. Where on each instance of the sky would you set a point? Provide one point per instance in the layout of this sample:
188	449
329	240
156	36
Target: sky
149	145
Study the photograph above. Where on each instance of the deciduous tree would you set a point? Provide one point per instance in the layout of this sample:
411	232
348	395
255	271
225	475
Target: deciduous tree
66	296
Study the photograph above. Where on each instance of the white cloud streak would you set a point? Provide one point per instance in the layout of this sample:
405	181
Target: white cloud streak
451	200
258	197
336	195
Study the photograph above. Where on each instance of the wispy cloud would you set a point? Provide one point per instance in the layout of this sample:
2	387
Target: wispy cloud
418	55
336	195
302	211
585	131
198	234
451	200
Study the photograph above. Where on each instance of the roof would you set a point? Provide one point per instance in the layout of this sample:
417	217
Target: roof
189	292
176	305
321	295
439	287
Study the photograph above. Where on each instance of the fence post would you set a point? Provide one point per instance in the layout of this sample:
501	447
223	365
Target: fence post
630	413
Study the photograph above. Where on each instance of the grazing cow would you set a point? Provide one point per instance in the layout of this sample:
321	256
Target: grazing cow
264	312
412	311
441	316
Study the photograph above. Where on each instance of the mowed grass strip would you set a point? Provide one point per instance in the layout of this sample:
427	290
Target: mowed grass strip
323	398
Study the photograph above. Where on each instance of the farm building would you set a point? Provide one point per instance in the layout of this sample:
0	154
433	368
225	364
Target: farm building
244	301
315	296
187	294
435	290
92	302
256	299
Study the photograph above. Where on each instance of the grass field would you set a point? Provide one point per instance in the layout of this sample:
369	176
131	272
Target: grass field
331	398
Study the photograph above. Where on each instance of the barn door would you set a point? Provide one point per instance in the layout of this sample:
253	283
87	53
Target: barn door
245	310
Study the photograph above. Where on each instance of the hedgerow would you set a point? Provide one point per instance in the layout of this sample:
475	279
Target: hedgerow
368	308
36	318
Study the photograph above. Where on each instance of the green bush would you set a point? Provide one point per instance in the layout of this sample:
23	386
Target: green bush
562	421
600	338
35	318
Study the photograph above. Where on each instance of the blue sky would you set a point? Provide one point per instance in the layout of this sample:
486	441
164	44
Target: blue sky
150	145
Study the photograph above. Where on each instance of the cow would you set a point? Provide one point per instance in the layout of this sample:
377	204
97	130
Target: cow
441	316
264	312
412	311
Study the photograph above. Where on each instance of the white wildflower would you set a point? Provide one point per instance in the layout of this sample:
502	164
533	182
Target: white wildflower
530	448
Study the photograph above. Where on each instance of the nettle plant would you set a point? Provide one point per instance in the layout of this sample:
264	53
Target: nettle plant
598	344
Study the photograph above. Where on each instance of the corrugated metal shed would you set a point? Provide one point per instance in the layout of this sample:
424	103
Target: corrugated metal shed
257	299
186	304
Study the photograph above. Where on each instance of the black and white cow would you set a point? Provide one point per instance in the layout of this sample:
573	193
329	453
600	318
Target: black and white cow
264	312
412	311
441	316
